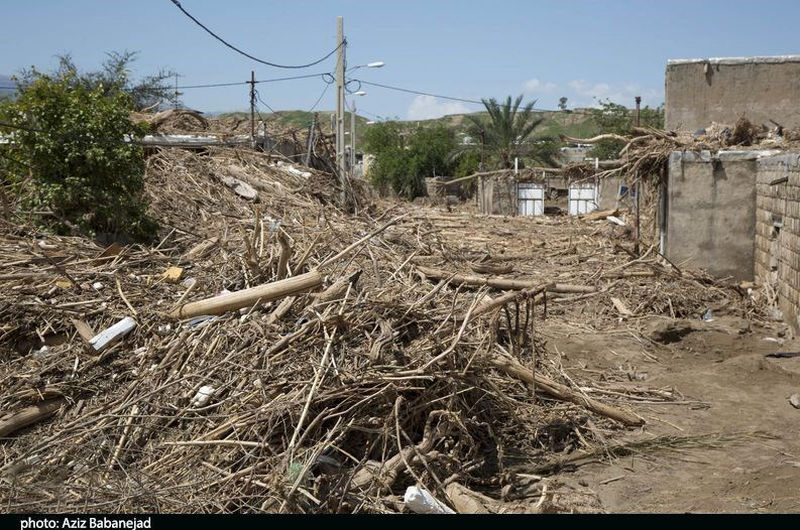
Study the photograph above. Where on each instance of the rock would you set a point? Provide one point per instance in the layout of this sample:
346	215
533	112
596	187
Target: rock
240	188
794	399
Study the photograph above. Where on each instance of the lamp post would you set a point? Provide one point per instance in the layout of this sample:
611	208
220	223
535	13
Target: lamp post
353	131
341	106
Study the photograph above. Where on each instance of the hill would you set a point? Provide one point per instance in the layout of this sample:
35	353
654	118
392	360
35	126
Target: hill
577	123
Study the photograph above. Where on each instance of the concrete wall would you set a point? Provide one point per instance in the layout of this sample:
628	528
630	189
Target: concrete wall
777	236
711	202
607	193
701	91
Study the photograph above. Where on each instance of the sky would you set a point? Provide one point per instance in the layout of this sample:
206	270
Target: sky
585	50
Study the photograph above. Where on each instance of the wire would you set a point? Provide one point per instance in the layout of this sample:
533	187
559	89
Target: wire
214	85
324	90
274	80
234	48
473	101
258	97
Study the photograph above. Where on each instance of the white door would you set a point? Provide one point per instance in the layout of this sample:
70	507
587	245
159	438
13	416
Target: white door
582	198
530	196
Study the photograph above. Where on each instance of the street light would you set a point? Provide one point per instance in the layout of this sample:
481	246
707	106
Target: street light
376	64
353	130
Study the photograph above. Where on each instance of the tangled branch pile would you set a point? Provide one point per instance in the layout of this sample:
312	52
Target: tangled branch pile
407	365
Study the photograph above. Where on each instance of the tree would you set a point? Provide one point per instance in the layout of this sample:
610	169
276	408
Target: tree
72	156
403	159
114	75
562	103
506	134
618	119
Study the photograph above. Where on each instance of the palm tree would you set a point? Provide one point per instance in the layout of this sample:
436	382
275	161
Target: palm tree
506	132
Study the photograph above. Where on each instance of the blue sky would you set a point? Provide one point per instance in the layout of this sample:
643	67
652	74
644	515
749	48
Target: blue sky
581	49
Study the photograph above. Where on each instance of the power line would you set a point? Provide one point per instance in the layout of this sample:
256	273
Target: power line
324	90
274	80
464	100
473	101
237	50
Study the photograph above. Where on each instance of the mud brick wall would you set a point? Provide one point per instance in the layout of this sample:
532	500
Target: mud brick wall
777	234
702	91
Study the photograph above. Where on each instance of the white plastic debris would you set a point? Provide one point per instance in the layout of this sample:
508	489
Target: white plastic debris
419	500
47	246
615	220
188	282
97	286
113	334
203	396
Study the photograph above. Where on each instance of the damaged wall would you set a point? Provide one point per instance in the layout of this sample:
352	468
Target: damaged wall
777	235
497	195
701	91
711	202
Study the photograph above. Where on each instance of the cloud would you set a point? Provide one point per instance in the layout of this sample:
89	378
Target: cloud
429	107
589	94
535	85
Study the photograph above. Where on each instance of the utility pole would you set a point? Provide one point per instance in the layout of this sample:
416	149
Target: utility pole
340	102
353	137
252	109
310	148
638	186
177	94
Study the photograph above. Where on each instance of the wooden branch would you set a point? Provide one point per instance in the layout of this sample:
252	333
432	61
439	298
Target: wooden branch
506	284
513	368
286	253
497	283
497	172
594	139
29	415
267	292
464	500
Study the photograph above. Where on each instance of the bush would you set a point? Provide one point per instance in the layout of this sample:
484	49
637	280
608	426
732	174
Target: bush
71	155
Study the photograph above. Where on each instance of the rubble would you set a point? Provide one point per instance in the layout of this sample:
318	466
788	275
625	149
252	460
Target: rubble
396	359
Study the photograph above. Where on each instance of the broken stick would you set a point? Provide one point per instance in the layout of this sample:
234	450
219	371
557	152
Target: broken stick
29	415
557	390
246	297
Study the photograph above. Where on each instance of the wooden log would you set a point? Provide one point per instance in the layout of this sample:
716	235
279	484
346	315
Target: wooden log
267	292
464	500
506	284
557	390
570	288
497	283
29	415
599	214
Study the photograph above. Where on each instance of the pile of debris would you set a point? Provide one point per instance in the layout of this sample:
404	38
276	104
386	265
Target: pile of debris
274	353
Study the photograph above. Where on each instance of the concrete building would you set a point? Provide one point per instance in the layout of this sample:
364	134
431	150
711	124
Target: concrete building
737	214
702	91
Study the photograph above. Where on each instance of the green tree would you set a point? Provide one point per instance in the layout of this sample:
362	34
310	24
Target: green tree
403	159
114	75
507	133
71	155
